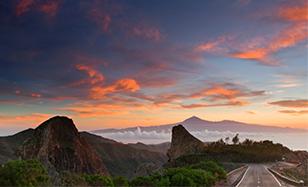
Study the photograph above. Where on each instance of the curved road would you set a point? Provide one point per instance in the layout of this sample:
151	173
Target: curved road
258	176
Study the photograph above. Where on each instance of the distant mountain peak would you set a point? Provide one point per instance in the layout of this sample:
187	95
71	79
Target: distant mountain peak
193	119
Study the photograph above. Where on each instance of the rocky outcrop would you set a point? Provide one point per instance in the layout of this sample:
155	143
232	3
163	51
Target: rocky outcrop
59	146
183	143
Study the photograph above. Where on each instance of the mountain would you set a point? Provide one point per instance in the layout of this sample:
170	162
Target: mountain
160	148
122	159
59	146
196	124
183	143
9	145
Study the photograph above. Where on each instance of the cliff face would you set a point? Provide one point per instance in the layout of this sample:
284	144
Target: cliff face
183	143
59	146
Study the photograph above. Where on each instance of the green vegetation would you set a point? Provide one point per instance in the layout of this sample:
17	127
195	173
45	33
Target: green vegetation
32	173
238	152
72	179
98	180
23	173
205	173
247	151
120	181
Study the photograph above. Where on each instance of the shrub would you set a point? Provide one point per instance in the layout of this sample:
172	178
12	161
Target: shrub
212	167
142	181
120	181
72	179
181	180
23	173
98	180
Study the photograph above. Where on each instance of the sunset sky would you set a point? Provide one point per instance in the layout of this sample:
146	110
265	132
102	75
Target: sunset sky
148	62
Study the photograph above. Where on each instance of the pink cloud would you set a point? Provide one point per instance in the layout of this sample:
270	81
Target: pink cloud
23	6
50	8
147	32
101	18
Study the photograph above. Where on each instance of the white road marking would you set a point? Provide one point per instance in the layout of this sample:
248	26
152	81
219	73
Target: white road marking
242	178
273	176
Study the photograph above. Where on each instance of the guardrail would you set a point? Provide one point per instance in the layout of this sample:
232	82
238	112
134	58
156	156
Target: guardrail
237	169
286	179
244	168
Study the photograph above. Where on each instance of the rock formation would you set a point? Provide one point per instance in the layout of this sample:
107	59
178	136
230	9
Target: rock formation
183	143
59	146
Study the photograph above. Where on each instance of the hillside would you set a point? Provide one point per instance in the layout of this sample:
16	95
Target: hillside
160	148
9	145
122	159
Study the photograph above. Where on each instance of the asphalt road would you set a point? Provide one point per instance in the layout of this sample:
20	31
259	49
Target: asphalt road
258	176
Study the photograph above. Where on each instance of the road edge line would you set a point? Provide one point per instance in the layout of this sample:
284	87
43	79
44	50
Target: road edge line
242	177
273	176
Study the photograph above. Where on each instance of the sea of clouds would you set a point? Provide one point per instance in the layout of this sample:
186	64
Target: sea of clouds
295	141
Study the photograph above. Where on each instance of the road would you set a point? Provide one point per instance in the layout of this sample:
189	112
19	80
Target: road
258	176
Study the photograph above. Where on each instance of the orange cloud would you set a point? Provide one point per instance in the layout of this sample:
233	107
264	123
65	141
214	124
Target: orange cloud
224	94
294	112
36	95
95	76
90	110
251	112
294	14
23	6
225	91
211	46
300	103
218	91
288	37
111	106
256	54
96	80
32	119
122	85
228	103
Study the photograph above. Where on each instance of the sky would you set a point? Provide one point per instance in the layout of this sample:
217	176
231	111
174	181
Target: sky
112	64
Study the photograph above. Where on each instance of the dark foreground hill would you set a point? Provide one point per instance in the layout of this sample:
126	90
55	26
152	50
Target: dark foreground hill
60	147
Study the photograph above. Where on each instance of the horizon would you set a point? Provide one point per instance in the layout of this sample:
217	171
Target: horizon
121	64
15	131
294	140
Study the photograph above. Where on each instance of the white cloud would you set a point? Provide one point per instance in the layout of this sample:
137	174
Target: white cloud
291	140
